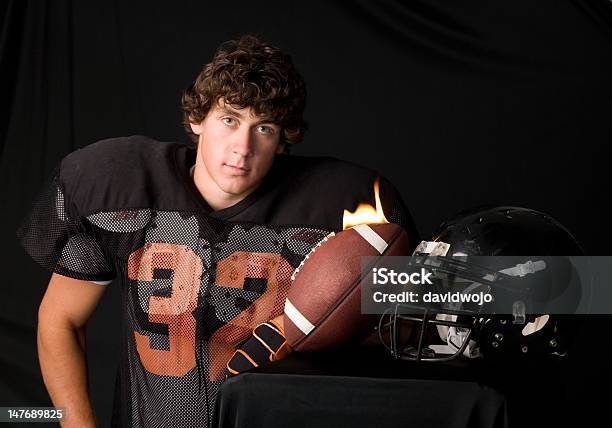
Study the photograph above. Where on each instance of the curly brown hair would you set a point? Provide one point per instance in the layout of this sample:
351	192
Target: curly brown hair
249	72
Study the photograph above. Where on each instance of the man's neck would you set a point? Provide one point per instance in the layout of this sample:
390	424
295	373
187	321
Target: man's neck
216	198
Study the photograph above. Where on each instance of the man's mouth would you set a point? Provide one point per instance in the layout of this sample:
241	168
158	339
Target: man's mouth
237	168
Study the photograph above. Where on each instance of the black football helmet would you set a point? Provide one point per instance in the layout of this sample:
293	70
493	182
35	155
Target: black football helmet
532	272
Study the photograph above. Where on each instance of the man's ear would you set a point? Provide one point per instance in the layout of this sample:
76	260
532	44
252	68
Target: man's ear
196	127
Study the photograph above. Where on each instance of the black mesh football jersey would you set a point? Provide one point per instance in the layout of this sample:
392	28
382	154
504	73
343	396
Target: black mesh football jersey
195	282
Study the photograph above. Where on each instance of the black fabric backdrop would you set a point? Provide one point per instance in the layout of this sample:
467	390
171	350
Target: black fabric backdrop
456	102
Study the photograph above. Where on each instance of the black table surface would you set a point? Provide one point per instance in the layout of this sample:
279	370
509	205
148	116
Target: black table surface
364	386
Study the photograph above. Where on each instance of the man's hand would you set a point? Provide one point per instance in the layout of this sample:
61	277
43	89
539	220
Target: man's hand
67	305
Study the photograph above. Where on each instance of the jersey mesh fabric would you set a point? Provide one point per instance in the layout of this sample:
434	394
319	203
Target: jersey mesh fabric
56	238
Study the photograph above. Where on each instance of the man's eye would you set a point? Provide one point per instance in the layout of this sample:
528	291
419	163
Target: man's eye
229	121
268	130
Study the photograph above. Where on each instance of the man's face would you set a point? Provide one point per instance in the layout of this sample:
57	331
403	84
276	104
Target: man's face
235	152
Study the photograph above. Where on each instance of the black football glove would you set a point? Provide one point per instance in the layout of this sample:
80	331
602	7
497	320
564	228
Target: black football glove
267	344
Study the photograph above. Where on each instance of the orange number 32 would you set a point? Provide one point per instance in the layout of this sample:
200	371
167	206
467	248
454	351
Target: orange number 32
176	310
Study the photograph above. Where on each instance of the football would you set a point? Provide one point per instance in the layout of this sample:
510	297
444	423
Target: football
323	307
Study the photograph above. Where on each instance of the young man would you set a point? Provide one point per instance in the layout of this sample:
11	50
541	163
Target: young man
202	240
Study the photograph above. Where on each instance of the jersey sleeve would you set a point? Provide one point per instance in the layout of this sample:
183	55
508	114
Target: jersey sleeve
59	239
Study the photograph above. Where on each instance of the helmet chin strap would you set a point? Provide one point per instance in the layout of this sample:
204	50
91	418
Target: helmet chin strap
439	248
518	312
526	268
432	248
536	325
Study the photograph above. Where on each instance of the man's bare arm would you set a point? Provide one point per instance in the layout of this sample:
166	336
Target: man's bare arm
67	305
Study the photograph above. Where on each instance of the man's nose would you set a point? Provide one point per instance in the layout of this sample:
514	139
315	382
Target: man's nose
242	142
